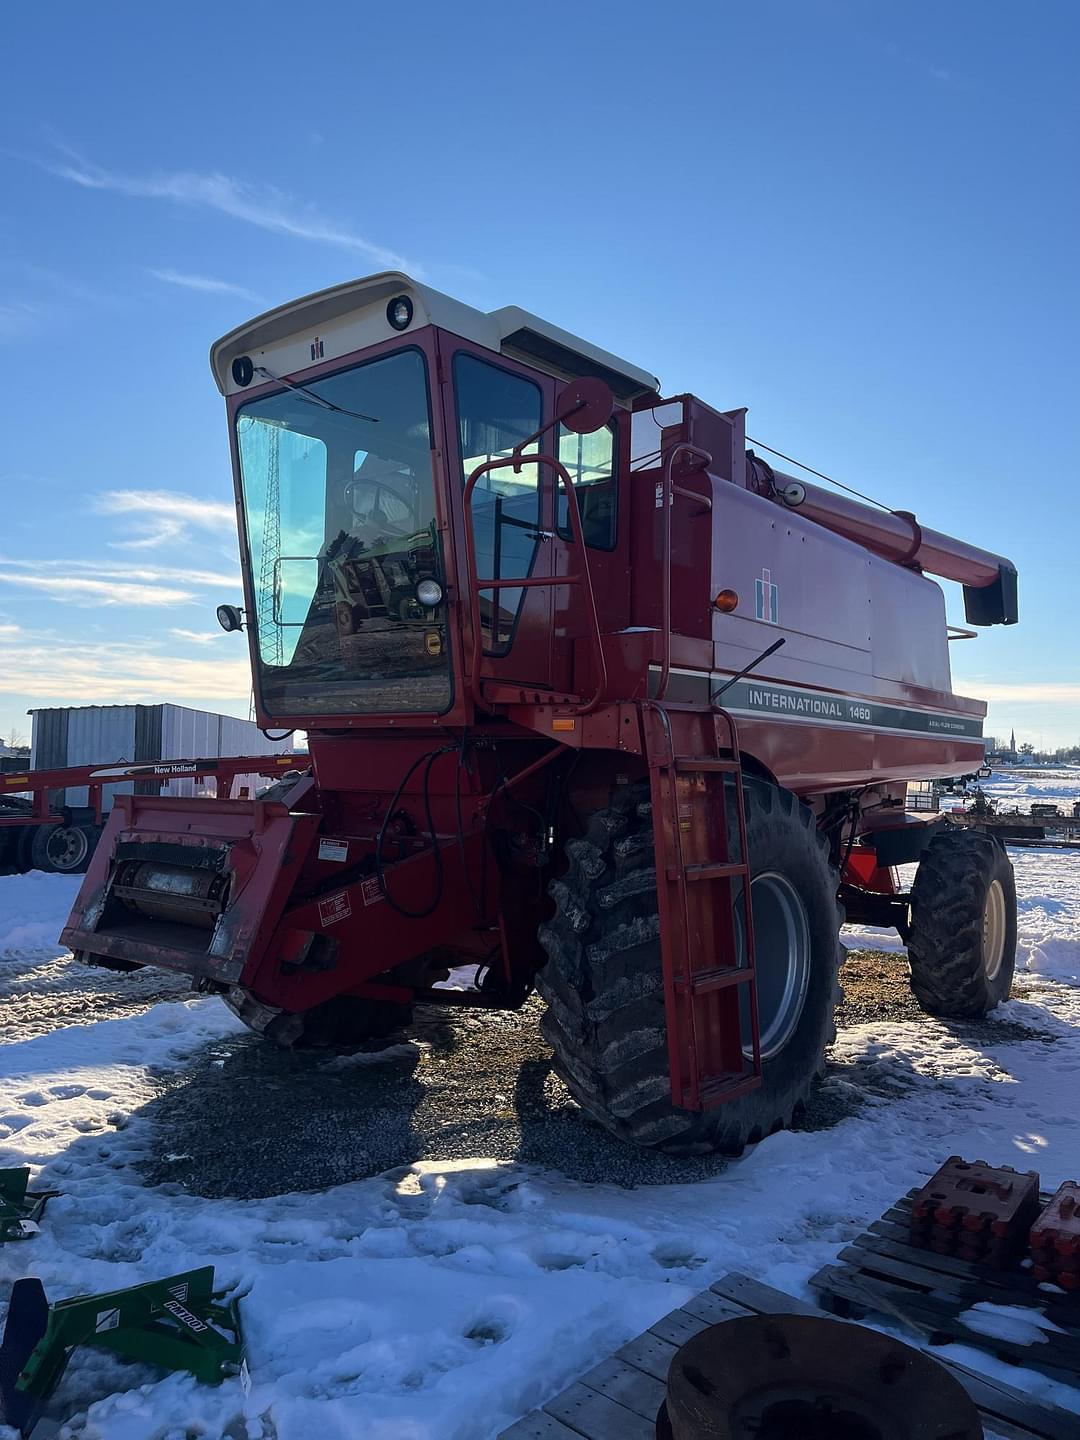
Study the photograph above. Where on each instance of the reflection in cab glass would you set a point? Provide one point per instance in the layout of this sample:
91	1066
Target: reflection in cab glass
339	507
497	410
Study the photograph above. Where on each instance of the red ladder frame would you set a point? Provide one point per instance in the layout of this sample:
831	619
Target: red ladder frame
703	884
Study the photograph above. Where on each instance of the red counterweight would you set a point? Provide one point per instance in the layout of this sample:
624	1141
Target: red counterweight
1054	1242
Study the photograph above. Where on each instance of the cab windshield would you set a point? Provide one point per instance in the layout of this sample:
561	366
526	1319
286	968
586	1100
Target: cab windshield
339	509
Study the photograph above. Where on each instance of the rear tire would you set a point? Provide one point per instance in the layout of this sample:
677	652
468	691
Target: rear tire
62	849
962	939
604	987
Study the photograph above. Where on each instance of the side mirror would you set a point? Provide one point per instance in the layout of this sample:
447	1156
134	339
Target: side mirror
585	405
230	618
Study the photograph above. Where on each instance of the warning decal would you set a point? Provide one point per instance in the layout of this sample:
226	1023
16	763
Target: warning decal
372	891
334	908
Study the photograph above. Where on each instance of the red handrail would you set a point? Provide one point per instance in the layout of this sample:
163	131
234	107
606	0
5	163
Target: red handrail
582	578
668	491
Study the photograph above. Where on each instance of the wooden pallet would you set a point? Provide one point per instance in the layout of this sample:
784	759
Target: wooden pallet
618	1399
882	1273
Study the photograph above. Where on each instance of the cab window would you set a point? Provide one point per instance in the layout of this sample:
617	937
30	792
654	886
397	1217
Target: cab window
590	460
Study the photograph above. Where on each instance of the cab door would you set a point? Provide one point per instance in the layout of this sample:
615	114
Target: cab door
496	405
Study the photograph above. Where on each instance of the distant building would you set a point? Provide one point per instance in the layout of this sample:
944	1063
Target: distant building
13	759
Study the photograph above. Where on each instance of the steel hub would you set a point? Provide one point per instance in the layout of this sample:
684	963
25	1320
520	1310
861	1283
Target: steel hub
782	949
993	930
66	847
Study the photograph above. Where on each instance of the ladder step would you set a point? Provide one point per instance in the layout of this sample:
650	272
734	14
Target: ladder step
720	977
710	872
689	764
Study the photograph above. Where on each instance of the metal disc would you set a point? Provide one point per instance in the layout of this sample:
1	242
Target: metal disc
774	1377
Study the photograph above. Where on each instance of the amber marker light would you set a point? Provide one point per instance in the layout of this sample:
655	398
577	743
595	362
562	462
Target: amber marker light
726	601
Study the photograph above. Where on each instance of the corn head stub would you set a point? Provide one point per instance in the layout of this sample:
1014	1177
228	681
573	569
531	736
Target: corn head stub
190	885
248	897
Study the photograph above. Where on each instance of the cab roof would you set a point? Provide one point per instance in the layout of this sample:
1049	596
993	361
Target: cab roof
352	316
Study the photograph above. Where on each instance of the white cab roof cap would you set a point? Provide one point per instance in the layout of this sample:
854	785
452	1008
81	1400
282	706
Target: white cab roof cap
349	316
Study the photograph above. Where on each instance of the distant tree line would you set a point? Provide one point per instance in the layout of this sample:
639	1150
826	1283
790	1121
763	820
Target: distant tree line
1065	755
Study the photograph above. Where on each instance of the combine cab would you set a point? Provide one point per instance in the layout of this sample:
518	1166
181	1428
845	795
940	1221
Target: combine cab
598	703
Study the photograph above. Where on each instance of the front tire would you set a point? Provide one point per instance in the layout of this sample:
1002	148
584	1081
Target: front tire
962	937
603	981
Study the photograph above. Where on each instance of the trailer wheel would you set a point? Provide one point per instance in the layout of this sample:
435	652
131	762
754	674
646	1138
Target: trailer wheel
962	937
61	849
604	988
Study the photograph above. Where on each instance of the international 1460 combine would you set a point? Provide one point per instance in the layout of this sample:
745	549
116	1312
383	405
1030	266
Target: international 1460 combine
598	703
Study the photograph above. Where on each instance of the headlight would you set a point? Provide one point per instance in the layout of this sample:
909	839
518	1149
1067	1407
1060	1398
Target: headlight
429	593
230	618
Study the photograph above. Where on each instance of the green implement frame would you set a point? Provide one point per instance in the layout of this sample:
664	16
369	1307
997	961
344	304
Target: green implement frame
179	1323
20	1208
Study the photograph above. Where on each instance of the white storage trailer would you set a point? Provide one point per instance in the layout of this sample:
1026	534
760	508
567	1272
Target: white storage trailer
135	734
103	735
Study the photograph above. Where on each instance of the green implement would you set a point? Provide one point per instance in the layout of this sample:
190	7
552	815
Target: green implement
179	1323
20	1209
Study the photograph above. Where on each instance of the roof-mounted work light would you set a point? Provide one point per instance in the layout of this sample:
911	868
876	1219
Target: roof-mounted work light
400	312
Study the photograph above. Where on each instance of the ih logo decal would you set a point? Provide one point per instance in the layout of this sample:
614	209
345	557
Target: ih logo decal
767	599
316	349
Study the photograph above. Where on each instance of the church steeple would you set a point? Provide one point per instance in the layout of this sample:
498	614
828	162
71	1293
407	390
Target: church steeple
1012	741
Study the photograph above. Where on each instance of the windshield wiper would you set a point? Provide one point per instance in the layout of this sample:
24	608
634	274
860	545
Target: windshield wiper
315	399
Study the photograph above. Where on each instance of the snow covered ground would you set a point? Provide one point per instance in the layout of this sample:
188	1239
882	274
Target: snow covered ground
1014	787
444	1299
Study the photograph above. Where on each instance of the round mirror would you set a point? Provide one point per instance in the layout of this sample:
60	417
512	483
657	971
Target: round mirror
586	405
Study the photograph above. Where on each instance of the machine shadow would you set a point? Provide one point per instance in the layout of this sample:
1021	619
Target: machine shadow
243	1119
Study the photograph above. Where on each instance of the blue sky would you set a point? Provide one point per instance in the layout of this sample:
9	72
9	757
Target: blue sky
858	220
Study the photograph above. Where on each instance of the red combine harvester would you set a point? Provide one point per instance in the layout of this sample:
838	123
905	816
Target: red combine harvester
597	703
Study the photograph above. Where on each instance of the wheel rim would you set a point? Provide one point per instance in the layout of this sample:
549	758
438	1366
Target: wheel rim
993	930
782	946
66	847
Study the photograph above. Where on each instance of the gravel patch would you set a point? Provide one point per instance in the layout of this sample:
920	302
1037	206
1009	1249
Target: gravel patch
246	1119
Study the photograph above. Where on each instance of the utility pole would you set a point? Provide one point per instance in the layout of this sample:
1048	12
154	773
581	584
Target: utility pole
270	647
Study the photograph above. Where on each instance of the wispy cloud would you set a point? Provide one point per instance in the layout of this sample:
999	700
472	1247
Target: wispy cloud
163	516
172	504
158	534
84	590
6	630
199	637
205	283
48	667
262	205
92	583
122	570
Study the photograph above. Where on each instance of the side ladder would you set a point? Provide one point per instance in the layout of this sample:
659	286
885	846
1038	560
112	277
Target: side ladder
706	918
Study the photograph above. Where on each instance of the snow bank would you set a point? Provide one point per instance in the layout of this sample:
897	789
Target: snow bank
1048	904
1017	788
33	909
